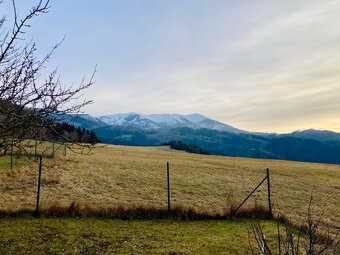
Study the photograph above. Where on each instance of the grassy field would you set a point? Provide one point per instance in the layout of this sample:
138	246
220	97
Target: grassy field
105	236
6	166
128	176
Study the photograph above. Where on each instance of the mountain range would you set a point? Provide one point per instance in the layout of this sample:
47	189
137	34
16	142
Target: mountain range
151	121
210	135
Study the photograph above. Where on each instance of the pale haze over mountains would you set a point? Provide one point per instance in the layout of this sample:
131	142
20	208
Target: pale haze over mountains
211	136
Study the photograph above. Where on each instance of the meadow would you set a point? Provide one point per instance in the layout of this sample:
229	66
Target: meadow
106	236
120	176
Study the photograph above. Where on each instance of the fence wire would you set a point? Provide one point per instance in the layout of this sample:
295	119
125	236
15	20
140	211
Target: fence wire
292	194
19	166
215	188
29	149
18	183
104	183
130	177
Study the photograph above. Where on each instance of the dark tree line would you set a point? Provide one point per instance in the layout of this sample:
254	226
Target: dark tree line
191	148
75	134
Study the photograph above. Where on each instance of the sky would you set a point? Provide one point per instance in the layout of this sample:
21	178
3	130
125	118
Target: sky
269	66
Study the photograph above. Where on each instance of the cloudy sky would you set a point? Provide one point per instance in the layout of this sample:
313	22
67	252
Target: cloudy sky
261	65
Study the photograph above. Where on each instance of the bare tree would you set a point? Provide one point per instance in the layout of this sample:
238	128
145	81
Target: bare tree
27	100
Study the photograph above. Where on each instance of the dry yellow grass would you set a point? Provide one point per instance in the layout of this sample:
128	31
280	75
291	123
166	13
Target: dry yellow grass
122	176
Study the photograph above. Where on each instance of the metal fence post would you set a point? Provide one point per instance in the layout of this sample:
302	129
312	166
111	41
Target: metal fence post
12	155
268	186
36	213
168	182
65	148
53	150
36	149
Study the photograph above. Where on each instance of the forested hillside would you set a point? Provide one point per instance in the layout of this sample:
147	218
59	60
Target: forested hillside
75	134
230	144
308	145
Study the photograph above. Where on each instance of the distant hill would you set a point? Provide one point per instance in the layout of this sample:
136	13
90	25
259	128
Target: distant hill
211	136
319	135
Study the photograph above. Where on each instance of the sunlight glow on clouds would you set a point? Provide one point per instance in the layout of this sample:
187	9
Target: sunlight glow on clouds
257	65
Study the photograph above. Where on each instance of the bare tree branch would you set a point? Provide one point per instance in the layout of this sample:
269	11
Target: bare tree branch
27	102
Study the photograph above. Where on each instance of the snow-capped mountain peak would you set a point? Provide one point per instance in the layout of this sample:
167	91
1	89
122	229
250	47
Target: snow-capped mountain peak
196	117
116	119
165	121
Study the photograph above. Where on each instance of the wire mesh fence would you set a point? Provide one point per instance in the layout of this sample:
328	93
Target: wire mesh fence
127	182
134	181
291	194
19	165
18	184
215	188
130	177
21	152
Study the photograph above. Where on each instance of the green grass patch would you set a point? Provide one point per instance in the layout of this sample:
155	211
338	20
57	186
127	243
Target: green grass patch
105	236
17	163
